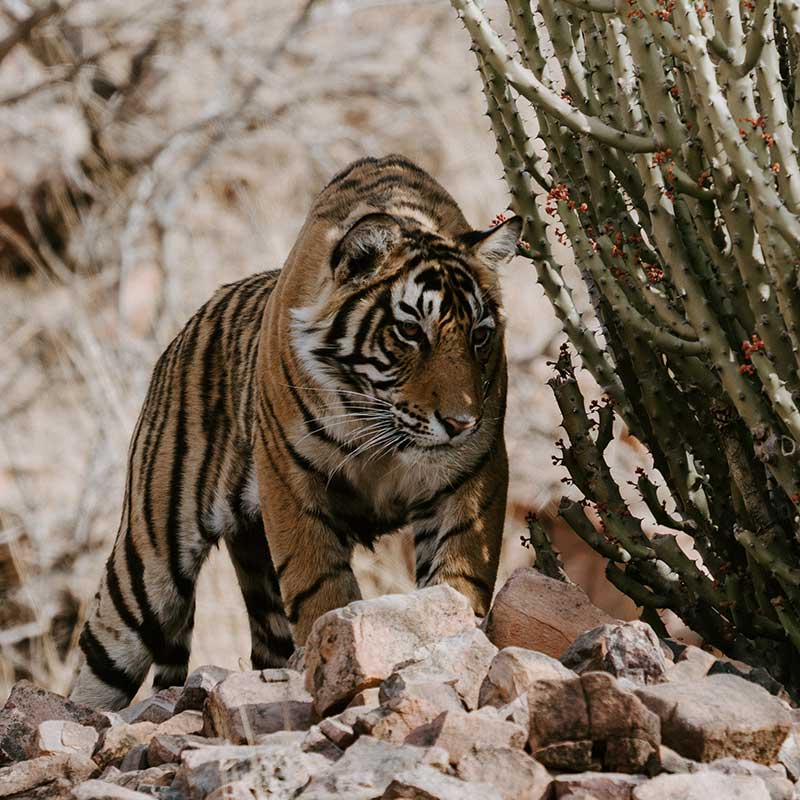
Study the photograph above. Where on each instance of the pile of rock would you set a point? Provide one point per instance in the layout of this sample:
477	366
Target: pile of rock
405	697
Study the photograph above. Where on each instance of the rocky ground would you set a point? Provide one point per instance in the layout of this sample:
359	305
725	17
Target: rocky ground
405	696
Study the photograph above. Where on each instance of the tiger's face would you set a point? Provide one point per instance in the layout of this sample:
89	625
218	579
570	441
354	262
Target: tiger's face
411	334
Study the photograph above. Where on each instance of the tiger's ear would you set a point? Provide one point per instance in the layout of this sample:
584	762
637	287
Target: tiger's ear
495	246
362	249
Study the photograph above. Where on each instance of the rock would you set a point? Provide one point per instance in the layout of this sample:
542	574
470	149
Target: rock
186	723
115	743
516	711
367	768
62	736
197	687
167	748
156	708
297	660
571	719
540	613
789	754
367	697
317	742
757	675
395	720
720	715
513	670
141	780
340	734
45	777
702	786
459	731
691	665
630	731
466	656
778	785
624	649
26	708
135	759
427	783
353	648
102	790
601	785
423	682
246	704
513	773
276	769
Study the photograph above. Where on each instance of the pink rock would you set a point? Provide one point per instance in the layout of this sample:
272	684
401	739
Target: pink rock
395	720
246	704
45	777
512	773
702	786
430	784
691	665
356	647
458	732
514	670
540	613
61	736
600	785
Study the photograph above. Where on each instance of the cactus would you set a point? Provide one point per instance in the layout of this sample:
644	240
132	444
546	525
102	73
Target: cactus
659	141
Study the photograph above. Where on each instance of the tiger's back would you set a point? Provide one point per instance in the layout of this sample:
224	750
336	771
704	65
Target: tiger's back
301	412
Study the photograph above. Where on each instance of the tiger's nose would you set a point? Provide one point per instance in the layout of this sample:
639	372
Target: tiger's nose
455	425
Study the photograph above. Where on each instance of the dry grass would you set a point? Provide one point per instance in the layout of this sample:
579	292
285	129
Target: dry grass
120	213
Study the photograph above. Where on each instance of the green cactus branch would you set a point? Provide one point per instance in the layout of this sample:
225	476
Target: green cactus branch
668	164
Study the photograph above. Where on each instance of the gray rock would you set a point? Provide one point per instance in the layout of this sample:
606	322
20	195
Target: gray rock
356	647
702	786
368	767
625	649
157	708
167	748
691	665
102	790
395	720
422	682
197	687
600	785
720	715
513	773
427	783
246	704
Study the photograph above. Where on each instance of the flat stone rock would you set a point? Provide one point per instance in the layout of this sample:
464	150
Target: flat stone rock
691	665
45	777
356	647
720	715
316	741
143	779
601	785
512	773
422	682
458	732
395	720
103	790
702	786
246	704
466	656
514	670
115	743
624	649
156	708
540	613
26	708
167	748
368	767
197	687
62	736
276	769
427	783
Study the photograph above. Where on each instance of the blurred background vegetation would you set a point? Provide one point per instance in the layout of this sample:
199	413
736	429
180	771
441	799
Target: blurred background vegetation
150	152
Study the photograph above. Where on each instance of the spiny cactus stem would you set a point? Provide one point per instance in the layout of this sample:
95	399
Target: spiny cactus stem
528	85
640	595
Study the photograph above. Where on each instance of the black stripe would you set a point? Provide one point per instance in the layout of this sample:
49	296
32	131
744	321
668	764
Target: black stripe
295	603
475	581
104	667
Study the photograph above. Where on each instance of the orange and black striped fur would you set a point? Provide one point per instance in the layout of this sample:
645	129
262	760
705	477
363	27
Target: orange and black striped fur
300	412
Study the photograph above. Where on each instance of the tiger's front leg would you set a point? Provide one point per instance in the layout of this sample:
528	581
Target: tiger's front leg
312	559
459	542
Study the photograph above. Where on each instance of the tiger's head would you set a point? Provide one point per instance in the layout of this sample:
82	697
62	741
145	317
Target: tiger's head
409	329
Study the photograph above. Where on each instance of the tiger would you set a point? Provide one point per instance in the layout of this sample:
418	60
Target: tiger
358	391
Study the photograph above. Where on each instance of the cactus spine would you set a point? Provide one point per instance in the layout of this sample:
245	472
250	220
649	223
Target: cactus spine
667	159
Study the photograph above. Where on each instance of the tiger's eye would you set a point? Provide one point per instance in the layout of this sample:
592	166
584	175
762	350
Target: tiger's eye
408	329
481	336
